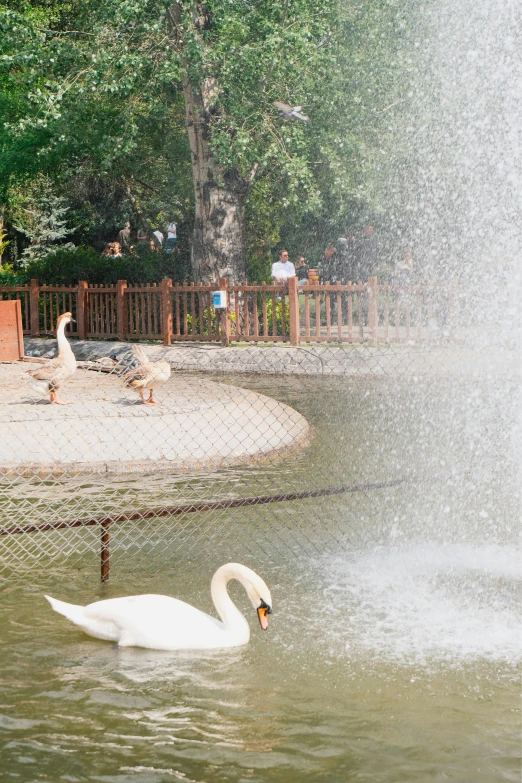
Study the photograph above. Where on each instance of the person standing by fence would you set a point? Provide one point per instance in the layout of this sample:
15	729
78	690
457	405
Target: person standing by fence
328	270
112	250
124	237
404	267
142	236
283	269
301	270
368	253
172	237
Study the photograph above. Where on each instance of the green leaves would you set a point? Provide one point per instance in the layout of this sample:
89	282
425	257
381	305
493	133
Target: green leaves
42	218
91	91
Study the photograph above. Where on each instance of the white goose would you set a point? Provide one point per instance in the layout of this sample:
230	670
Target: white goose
48	378
159	622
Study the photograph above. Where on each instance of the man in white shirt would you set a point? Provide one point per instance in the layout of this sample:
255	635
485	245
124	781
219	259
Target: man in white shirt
283	269
172	236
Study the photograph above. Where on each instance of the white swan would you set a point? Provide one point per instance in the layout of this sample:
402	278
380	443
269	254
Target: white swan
163	623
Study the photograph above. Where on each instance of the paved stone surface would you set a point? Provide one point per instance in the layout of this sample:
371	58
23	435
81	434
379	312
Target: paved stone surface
198	424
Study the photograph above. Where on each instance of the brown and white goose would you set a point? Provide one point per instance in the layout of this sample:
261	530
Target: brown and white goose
48	378
147	375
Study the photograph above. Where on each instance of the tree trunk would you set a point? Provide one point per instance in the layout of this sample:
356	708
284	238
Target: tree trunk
218	248
219	243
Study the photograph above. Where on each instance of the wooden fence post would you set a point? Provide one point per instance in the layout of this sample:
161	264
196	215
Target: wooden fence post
121	310
225	314
81	310
34	307
293	311
373	308
166	310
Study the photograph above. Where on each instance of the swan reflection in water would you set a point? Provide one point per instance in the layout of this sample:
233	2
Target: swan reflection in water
196	699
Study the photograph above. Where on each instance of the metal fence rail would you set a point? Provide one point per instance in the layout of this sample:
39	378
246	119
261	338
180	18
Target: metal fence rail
105	523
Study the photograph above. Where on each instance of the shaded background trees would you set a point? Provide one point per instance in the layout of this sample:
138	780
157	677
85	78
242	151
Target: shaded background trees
95	100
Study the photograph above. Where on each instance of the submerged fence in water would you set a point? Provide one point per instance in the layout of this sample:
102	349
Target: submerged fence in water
313	313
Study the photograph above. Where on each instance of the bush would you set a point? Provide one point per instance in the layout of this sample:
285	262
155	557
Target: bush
9	277
67	267
279	315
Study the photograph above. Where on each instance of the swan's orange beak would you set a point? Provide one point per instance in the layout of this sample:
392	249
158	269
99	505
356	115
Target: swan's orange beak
262	612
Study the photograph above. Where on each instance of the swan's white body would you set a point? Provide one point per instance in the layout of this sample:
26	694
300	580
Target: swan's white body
159	622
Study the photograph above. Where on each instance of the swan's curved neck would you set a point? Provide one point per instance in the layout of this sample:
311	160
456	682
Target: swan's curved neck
232	618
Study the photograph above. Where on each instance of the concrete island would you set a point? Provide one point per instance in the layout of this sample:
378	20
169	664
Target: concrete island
104	428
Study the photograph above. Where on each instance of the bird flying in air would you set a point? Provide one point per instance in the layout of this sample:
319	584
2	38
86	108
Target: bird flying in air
290	112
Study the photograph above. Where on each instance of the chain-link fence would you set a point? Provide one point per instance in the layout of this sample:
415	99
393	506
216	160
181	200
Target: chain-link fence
164	456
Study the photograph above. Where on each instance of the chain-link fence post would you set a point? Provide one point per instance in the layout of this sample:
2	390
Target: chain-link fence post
105	551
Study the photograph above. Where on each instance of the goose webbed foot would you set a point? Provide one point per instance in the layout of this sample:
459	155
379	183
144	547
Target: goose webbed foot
151	401
54	399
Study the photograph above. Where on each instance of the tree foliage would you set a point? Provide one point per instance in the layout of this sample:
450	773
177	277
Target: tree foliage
42	218
92	98
67	267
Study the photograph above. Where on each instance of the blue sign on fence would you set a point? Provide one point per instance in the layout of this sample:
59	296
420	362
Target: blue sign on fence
219	299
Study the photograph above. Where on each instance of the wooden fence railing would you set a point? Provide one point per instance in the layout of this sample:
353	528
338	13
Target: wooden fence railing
336	313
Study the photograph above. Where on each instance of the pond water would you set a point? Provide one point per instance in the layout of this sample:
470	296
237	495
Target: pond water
395	644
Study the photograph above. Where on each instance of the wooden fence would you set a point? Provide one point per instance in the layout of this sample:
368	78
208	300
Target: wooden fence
336	313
